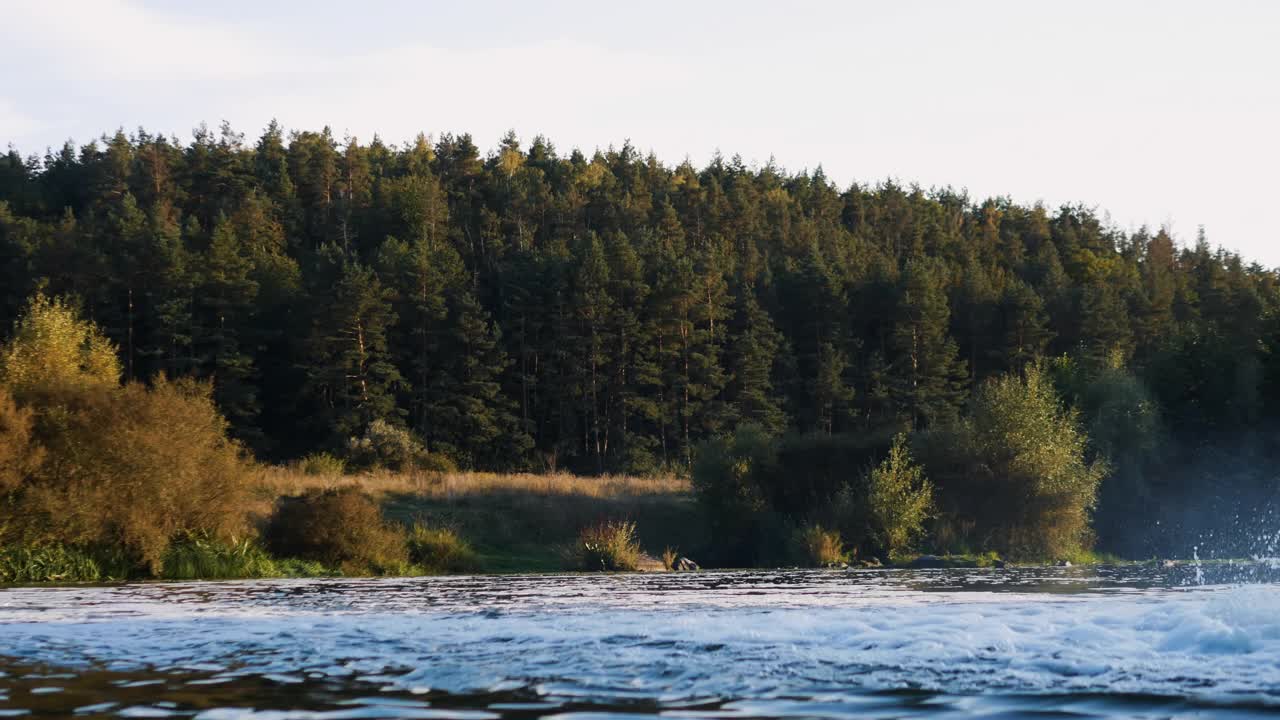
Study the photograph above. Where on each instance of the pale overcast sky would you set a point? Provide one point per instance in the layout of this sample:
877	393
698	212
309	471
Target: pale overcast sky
1156	112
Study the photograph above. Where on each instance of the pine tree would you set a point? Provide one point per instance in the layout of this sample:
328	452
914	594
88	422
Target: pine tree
349	370
1104	325
928	376
752	358
633	377
418	273
817	312
227	305
470	419
1022	327
592	310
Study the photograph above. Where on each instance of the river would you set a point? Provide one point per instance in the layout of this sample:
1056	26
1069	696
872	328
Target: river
1131	641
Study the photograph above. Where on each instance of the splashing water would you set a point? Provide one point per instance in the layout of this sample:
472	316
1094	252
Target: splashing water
904	643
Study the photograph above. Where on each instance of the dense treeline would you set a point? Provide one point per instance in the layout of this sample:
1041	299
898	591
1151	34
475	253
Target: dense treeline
522	308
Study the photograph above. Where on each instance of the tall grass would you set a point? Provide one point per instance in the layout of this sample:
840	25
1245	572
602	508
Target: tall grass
609	545
669	557
321	464
59	563
818	547
203	558
432	485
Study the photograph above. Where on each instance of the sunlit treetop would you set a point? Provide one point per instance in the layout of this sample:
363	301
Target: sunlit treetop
53	349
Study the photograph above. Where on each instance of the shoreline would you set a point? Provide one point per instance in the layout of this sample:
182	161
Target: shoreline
952	563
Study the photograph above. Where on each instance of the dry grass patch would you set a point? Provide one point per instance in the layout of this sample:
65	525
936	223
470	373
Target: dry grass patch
293	480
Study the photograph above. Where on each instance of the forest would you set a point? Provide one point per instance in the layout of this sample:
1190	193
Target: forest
526	309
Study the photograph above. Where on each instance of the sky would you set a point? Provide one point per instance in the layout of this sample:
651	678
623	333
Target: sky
1160	114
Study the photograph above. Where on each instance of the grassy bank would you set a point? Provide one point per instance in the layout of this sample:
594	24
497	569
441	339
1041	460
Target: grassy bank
445	523
516	522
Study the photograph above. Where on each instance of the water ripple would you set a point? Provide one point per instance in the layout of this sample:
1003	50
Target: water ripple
1093	642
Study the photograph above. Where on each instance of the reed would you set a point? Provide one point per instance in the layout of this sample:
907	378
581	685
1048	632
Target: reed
58	563
204	558
609	545
819	547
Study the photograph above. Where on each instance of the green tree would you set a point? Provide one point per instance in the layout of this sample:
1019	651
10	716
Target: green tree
228	302
52	350
752	358
1017	469
899	499
470	418
350	373
927	374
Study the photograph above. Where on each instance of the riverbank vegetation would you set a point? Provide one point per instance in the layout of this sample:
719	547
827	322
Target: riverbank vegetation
508	348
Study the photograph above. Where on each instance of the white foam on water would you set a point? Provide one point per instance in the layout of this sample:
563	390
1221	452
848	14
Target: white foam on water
619	638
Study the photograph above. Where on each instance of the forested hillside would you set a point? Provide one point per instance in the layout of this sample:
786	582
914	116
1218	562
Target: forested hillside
524	308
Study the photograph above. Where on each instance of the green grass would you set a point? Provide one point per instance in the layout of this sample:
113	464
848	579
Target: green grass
205	559
521	558
295	568
58	563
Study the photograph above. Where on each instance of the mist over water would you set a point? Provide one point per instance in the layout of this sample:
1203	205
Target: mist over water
1134	641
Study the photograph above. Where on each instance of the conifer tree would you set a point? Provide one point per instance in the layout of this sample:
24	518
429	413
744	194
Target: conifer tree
928	376
470	419
752	358
592	310
227	305
350	374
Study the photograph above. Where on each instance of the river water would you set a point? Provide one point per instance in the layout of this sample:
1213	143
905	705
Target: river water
1032	642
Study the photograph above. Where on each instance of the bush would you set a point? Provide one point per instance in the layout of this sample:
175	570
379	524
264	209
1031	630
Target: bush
202	558
811	469
434	462
53	350
814	546
756	489
609	546
132	468
340	527
440	550
387	446
727	474
1015	472
19	454
322	464
85	463
899	500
